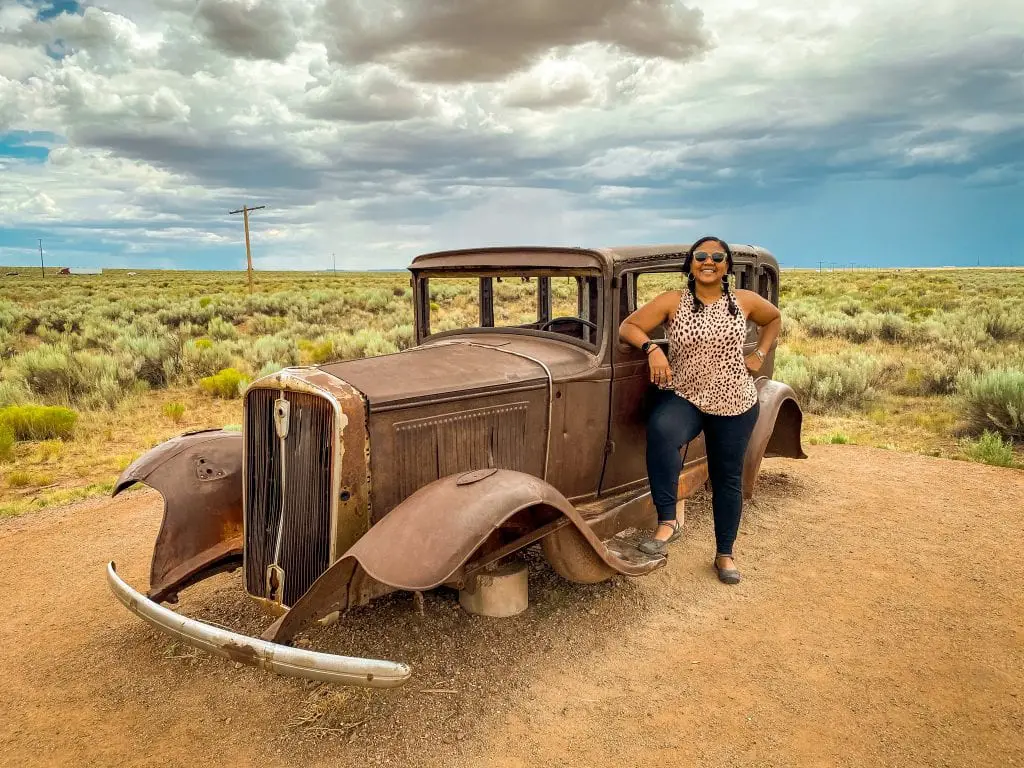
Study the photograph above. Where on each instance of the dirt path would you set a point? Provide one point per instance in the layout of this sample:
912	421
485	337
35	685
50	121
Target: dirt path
831	652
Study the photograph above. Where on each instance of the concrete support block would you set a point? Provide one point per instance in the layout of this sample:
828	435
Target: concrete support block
498	593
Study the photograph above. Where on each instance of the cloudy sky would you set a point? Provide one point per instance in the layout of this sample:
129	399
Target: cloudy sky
868	131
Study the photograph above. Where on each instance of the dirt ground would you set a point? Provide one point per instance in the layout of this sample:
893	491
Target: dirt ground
880	622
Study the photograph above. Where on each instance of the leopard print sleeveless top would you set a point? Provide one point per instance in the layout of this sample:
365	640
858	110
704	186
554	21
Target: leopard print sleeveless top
705	352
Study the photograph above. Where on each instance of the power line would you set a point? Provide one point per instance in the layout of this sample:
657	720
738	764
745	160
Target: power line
244	210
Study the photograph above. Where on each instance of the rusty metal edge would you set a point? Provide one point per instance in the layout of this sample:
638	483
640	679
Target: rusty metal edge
281	659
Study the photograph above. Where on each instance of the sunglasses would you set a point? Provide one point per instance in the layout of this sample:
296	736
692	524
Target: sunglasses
701	256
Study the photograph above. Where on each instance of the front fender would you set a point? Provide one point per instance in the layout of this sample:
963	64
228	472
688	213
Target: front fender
199	475
777	432
428	539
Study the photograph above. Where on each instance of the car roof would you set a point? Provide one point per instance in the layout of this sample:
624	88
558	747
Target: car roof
512	257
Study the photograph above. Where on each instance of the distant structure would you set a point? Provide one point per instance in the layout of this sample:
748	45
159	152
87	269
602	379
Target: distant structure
244	210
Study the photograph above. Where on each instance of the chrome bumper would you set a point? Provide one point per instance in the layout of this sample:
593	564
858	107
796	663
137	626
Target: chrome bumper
282	659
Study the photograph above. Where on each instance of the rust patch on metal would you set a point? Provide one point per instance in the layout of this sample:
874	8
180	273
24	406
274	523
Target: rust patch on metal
200	478
475	476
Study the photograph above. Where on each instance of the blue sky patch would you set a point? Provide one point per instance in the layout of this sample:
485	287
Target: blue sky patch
55	8
30	146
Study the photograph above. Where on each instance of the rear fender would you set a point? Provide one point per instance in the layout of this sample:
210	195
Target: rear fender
199	475
777	432
429	539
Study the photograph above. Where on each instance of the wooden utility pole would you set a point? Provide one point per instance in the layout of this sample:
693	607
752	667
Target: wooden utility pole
41	267
244	210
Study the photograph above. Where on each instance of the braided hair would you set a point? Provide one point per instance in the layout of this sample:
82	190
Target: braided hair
691	281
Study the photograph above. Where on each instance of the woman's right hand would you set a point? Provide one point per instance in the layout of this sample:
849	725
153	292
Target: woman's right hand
661	373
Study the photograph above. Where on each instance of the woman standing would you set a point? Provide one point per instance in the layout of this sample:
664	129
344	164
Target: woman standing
704	385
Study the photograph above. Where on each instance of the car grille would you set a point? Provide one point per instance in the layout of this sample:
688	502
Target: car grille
304	493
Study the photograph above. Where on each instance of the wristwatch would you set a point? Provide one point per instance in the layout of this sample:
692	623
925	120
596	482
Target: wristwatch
647	346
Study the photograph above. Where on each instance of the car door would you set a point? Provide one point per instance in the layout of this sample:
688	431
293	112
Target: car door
626	465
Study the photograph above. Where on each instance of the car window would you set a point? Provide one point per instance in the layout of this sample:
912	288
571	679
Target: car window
645	286
550	304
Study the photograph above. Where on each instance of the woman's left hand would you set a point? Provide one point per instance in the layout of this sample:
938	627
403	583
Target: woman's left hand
753	362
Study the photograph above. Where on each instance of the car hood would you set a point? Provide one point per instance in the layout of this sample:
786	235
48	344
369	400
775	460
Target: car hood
457	367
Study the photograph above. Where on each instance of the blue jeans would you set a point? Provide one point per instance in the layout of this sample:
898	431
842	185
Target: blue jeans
673	422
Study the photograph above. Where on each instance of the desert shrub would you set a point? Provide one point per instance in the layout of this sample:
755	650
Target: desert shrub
363	343
11	317
273	352
892	327
889	305
926	331
56	373
273	305
374	300
100	334
7	440
995	399
1002	325
930	378
822	324
319	351
797	309
227	384
445	292
220	329
827	382
49	372
990	448
174	411
861	328
402	336
152	359
201	358
50	316
961	330
6	343
849	307
39	422
12	393
264	325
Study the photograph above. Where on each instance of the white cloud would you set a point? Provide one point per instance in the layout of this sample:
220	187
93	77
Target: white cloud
401	126
252	29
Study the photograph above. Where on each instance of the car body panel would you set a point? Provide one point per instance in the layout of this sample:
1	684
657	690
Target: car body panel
428	539
199	476
777	431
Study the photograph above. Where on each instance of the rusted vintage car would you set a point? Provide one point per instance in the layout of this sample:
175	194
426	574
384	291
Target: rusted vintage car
431	466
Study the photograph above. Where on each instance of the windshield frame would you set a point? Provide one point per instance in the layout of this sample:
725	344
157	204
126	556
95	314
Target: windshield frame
597	310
